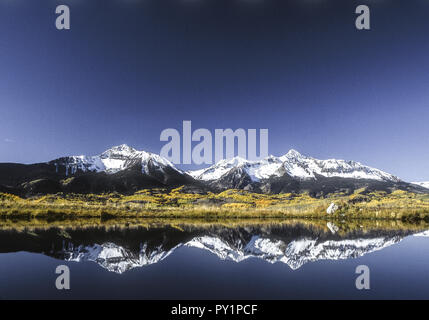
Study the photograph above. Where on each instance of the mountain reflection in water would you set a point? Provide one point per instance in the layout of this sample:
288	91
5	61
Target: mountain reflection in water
119	249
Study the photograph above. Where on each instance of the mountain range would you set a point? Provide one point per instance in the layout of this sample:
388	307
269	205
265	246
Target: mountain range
124	169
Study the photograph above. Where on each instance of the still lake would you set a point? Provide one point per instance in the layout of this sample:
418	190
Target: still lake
257	260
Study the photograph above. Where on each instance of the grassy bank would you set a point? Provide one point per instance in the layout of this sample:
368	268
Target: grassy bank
230	204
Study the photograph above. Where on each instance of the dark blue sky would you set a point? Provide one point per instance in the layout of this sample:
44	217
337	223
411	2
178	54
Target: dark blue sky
128	69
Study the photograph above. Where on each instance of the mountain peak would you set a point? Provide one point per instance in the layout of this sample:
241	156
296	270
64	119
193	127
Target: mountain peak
293	153
122	149
123	146
233	161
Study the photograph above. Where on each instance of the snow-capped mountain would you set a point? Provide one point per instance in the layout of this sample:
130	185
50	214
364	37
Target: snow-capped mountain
294	165
119	169
422	184
124	169
112	161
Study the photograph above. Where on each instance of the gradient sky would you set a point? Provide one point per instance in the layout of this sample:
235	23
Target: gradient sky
128	69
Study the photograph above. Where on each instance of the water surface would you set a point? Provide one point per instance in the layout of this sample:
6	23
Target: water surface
290	260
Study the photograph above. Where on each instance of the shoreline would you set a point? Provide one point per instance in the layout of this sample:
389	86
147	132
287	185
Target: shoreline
229	204
341	225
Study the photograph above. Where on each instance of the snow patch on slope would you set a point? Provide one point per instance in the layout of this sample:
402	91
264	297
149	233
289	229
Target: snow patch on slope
424	184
